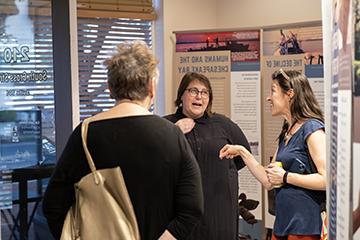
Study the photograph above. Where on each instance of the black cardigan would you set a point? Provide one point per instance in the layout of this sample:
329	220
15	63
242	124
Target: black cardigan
159	168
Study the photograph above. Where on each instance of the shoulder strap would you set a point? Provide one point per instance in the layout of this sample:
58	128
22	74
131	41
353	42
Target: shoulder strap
102	116
84	131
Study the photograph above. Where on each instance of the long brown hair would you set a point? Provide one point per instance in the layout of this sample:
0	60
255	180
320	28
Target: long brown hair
303	104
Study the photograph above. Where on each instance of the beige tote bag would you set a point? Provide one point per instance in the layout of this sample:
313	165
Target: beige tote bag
103	209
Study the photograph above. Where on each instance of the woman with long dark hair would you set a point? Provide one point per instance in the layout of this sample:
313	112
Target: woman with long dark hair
301	151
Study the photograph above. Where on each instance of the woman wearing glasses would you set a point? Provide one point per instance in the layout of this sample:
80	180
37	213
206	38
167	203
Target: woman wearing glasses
207	132
301	150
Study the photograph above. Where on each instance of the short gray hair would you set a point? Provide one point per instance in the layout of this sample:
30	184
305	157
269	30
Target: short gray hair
130	70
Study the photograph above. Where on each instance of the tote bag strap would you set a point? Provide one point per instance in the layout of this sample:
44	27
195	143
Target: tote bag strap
98	179
84	131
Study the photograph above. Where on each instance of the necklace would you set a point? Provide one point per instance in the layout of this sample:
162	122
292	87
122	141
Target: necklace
290	133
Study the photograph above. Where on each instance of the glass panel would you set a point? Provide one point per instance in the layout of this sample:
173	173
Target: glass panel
27	132
97	38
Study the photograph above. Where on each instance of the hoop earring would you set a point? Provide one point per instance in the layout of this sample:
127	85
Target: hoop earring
152	108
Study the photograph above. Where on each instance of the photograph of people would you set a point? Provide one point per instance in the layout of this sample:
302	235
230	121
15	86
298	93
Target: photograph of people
159	168
207	133
301	144
283	43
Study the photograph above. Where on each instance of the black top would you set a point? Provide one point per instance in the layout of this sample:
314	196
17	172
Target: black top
219	177
159	169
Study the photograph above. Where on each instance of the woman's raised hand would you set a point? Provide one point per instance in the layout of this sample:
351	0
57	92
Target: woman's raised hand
185	124
230	151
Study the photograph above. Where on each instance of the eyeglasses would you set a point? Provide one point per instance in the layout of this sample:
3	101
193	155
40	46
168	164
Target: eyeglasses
194	92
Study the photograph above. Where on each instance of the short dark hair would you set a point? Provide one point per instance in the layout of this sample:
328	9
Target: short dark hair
185	82
130	71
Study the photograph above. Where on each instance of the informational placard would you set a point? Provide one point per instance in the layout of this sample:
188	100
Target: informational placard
243	45
245	111
271	126
333	131
341	117
245	99
236	90
317	85
295	40
315	75
356	126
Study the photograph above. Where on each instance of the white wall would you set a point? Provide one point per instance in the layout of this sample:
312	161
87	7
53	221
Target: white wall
181	15
262	13
185	15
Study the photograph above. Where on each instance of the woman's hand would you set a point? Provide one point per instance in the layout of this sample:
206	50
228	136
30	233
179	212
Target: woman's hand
185	124
275	174
230	151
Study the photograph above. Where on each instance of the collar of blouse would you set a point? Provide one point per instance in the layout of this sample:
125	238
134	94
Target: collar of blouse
179	115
